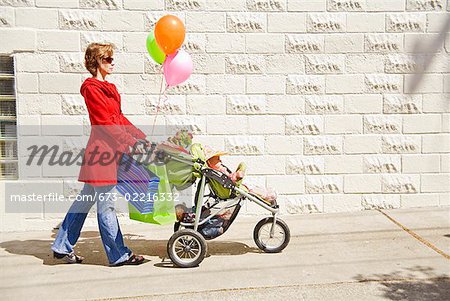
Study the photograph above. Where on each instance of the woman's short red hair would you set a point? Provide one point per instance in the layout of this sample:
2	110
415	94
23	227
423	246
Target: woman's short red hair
94	52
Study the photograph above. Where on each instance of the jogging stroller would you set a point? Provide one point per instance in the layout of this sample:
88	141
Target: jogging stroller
217	202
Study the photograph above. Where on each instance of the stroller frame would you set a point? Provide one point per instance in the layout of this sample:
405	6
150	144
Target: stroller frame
187	247
227	183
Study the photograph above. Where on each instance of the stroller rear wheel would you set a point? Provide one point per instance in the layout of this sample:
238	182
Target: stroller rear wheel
271	243
186	248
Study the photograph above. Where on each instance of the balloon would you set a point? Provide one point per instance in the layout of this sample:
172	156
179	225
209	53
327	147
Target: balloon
153	49
169	33
177	67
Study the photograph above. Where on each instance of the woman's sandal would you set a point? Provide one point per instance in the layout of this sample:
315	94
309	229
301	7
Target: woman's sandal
133	260
69	258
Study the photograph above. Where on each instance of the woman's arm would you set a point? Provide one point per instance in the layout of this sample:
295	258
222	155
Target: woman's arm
133	130
137	133
98	111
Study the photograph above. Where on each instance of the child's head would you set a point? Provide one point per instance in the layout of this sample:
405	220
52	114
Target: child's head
180	210
212	156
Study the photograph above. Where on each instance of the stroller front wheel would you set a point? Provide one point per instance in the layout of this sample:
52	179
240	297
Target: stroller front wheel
186	248
271	243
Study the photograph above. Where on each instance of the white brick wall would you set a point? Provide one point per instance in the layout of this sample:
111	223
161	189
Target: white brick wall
322	88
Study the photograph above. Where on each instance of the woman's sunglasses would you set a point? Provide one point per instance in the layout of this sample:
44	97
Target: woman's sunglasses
108	59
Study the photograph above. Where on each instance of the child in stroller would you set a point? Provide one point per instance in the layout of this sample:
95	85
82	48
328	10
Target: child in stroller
213	160
218	224
214	227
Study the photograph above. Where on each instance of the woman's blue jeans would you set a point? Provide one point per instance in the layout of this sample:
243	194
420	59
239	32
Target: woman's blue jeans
70	229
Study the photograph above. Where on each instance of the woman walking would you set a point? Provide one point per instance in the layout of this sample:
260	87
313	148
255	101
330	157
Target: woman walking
112	134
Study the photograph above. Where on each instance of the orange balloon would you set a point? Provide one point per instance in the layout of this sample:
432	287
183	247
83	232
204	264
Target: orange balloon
169	33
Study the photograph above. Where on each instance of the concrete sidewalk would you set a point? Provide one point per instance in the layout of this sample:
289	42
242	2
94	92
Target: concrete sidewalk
370	255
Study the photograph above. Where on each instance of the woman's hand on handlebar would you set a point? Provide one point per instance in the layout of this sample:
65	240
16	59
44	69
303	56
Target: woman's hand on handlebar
146	142
138	148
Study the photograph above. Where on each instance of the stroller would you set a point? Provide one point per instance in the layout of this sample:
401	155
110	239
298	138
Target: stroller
217	202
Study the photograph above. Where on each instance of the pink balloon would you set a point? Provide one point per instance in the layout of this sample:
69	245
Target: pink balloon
177	67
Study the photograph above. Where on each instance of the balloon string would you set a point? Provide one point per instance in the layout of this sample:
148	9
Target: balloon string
165	97
159	98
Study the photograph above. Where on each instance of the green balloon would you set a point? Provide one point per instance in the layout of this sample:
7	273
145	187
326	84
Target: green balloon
153	49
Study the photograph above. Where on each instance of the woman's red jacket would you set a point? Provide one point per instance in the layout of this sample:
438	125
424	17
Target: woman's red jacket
111	133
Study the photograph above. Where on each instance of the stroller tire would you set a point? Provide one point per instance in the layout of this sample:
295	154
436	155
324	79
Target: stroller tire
186	248
261	235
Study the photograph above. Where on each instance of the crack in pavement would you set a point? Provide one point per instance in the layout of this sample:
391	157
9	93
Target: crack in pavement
416	236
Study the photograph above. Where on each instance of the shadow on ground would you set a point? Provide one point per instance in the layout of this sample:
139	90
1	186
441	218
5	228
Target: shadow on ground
416	283
90	246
